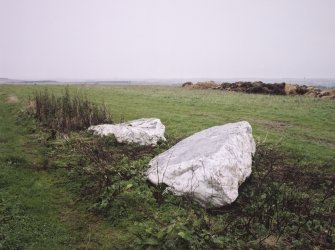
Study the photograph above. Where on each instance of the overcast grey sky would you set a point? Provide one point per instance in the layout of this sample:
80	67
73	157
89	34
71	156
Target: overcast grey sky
166	38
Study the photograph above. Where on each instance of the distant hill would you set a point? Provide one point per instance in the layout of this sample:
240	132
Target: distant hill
8	80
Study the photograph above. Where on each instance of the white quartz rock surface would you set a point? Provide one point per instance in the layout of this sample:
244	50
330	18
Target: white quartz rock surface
145	131
209	165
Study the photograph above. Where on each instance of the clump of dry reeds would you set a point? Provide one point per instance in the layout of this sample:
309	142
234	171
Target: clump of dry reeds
67	112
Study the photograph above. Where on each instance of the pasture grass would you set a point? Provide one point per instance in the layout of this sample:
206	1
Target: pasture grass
302	126
91	192
28	211
37	211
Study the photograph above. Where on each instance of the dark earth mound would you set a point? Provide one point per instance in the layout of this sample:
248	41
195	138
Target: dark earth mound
260	87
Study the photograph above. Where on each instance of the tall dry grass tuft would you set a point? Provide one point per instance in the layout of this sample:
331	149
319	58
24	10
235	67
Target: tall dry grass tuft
67	112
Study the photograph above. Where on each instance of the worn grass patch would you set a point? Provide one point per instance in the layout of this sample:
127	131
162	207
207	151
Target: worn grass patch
12	99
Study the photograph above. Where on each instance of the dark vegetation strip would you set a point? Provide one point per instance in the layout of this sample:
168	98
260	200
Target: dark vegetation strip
278	201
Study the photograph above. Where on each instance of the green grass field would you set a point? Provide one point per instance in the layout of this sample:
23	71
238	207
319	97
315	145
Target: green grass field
303	125
44	201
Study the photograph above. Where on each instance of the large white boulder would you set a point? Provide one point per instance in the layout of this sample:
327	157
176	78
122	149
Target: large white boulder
209	165
145	131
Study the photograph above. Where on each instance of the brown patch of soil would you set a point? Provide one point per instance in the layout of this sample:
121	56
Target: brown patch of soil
274	125
12	99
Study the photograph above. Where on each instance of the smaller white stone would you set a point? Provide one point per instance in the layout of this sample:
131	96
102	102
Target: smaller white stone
145	131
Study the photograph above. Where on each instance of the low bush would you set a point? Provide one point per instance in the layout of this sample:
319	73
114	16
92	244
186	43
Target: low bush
67	112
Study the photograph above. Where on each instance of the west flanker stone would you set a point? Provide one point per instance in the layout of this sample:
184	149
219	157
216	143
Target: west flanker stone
209	165
145	131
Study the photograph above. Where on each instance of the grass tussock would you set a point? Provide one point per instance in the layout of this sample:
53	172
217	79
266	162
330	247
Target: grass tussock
67	112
